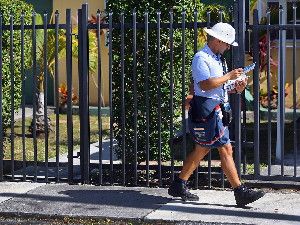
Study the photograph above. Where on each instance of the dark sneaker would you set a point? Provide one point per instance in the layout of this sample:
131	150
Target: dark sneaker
244	195
179	189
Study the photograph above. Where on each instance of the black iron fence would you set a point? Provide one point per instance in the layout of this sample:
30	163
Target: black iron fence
148	78
284	118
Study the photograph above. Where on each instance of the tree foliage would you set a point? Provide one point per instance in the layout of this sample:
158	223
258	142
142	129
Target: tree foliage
14	8
152	7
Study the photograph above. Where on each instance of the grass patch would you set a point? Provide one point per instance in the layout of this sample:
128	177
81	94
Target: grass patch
250	168
63	140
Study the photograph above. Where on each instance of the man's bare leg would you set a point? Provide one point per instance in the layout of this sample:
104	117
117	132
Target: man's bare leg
243	195
228	165
192	161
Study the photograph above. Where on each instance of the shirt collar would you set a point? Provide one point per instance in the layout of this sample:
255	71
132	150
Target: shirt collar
210	52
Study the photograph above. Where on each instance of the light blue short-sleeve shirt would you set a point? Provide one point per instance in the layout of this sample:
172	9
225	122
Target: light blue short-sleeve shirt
207	65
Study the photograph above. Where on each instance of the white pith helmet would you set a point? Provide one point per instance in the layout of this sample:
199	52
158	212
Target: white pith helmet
224	32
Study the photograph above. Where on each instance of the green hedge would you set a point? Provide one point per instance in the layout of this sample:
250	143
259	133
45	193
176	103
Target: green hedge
15	8
142	6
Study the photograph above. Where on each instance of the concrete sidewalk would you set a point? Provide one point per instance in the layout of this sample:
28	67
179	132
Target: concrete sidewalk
144	204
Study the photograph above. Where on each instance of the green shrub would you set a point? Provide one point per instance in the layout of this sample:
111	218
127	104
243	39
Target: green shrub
15	8
142	6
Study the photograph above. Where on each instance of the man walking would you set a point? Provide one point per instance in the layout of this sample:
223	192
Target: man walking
209	115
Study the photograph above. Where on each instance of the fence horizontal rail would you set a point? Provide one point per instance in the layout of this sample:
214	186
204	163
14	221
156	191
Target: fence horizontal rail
188	25
37	27
275	27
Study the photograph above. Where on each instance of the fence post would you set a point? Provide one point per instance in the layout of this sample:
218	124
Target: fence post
83	93
1	124
256	92
69	100
281	89
239	60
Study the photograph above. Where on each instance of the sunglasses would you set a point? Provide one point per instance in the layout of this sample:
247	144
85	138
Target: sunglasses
227	45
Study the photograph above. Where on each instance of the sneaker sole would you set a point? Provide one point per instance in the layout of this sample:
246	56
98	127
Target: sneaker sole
182	197
190	199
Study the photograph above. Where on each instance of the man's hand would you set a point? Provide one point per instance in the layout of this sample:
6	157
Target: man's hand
240	85
215	82
233	74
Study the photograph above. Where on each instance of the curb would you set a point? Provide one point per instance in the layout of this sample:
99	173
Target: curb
67	219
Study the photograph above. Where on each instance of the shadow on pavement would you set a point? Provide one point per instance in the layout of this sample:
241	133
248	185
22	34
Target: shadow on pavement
120	198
